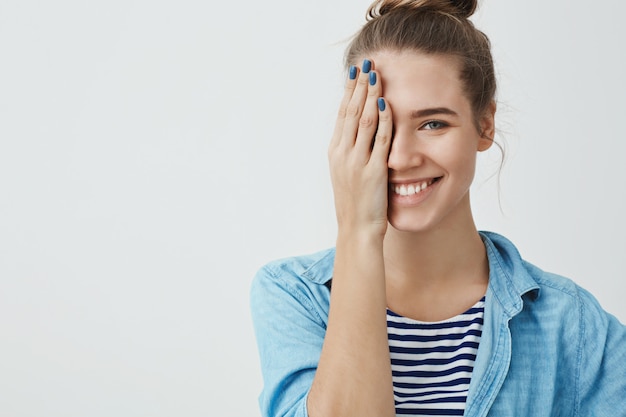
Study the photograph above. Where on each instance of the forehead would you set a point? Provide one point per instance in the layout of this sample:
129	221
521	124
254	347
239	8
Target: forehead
415	79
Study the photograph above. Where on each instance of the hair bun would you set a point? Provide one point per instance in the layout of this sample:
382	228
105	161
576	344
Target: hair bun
465	8
460	8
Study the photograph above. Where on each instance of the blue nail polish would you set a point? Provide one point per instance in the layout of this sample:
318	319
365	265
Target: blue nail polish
352	72
381	104
367	66
372	78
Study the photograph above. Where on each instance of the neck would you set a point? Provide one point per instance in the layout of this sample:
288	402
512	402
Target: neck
449	254
436	273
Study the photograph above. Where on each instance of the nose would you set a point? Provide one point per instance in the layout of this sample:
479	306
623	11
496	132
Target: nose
404	153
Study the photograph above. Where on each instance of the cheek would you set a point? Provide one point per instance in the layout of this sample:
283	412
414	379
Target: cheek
467	162
458	158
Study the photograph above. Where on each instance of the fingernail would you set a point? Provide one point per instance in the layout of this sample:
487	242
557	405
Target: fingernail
372	78
352	72
381	104
367	66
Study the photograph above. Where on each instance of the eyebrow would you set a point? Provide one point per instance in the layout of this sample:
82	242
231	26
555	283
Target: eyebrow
416	114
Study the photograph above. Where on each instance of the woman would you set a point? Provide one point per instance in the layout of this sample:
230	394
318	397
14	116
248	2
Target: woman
415	312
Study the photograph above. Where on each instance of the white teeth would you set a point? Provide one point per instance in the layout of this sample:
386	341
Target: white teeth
405	190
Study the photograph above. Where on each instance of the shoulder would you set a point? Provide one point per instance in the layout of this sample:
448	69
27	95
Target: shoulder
310	265
549	281
314	268
550	290
582	346
559	293
505	259
287	285
515	281
289	306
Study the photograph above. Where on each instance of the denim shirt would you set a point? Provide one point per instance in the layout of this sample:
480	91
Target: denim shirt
547	347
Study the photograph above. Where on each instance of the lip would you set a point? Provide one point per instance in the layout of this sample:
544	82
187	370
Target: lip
412	180
413	199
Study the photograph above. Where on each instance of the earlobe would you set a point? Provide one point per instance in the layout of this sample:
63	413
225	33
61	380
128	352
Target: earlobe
485	142
487	127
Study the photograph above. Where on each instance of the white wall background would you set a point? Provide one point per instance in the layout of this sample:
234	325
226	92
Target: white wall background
153	154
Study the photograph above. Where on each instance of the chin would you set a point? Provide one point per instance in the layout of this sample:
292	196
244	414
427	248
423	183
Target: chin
405	222
426	218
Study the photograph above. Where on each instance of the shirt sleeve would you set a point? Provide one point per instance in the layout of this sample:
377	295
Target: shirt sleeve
602	362
289	332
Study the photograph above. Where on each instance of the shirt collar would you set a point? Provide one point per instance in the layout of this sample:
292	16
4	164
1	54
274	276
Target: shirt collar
319	266
509	279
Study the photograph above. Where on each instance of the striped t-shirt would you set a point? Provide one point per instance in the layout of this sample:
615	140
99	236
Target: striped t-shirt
432	363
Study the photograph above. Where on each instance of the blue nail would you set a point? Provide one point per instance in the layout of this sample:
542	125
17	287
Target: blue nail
367	66
372	78
381	104
352	72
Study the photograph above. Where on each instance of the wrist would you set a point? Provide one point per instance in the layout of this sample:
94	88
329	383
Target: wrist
360	235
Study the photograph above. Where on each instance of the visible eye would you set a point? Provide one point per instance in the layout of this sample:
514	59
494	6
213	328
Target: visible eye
434	125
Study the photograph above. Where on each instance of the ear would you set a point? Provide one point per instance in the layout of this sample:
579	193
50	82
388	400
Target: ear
487	124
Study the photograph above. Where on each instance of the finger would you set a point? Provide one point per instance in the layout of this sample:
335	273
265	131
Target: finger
368	121
353	73
384	134
355	106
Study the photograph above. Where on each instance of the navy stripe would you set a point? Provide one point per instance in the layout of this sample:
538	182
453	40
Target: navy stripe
434	361
434	326
438	349
406	398
432	374
434	338
428	412
438	384
436	401
424	370
450	391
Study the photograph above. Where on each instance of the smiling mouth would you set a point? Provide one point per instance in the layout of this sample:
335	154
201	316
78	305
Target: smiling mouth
414	188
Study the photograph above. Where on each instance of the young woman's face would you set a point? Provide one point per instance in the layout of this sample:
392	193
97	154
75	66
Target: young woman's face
433	153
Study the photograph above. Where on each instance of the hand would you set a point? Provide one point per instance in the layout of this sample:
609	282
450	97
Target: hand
358	153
